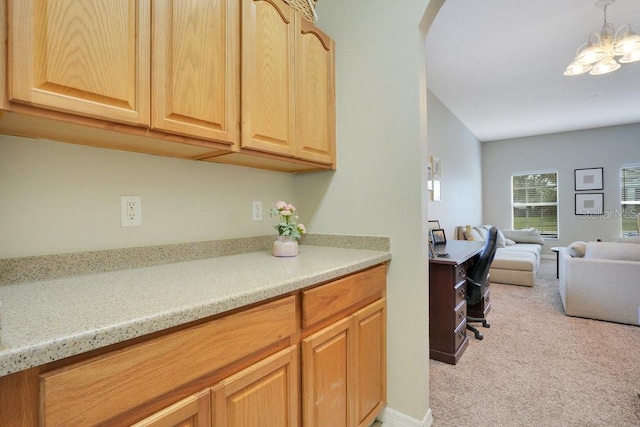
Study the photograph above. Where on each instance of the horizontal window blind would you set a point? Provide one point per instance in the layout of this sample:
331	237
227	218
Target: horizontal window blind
535	202
630	198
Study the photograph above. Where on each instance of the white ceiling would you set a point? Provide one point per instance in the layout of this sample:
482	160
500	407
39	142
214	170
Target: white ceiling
498	64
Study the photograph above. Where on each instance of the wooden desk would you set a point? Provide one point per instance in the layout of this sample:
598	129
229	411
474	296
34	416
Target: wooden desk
447	299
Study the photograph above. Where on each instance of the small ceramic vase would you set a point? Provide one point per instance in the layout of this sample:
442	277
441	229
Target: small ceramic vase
285	246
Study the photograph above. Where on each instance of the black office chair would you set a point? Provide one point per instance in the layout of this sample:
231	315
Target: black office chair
478	277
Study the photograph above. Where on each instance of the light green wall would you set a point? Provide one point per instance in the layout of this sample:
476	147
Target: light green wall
378	187
60	198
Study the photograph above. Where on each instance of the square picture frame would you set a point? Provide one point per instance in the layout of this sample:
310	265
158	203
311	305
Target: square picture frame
588	179
439	237
436	168
589	203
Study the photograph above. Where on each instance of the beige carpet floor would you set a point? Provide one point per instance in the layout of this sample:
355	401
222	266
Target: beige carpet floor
538	367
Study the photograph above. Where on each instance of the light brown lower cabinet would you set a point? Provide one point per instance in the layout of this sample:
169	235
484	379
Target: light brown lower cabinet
264	394
343	370
192	411
316	357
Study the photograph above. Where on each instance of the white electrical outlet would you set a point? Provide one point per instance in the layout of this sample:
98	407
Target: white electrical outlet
130	211
256	210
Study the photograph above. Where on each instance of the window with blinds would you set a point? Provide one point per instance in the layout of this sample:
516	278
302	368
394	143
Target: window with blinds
535	202
630	198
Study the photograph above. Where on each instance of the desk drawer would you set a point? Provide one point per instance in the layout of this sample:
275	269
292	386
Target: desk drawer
460	272
461	313
460	292
460	334
481	308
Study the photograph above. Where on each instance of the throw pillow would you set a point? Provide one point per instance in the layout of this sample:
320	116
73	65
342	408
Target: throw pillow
508	242
501	241
479	234
468	236
524	235
577	249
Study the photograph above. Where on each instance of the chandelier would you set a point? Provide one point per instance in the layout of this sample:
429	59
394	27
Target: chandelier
604	52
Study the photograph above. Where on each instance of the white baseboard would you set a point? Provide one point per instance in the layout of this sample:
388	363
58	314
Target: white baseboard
392	418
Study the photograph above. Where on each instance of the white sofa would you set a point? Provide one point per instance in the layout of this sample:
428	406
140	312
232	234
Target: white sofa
517	258
601	280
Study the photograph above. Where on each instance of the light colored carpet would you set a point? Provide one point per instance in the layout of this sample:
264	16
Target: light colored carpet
538	367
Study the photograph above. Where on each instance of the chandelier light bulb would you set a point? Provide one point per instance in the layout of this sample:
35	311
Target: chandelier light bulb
607	65
630	57
629	42
590	54
575	69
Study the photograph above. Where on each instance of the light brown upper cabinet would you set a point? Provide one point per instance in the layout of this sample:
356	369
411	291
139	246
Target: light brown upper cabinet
316	105
288	101
83	57
244	82
196	64
268	79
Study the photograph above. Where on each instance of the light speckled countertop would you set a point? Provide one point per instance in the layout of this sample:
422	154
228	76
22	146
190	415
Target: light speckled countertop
49	320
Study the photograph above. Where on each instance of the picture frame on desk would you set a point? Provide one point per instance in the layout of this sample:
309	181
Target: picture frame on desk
438	236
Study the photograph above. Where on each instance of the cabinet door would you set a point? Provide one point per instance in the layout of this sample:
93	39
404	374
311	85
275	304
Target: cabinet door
268	48
84	57
370	362
315	106
193	411
263	395
326	376
196	68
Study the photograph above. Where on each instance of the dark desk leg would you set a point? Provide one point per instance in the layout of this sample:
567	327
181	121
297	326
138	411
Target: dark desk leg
557	264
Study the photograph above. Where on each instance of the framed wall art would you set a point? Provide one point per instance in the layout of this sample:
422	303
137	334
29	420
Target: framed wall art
588	179
436	168
589	203
436	174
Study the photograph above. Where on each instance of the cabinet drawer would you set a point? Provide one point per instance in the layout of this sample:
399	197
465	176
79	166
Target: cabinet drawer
481	309
460	334
460	292
327	300
460	272
461	313
98	389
